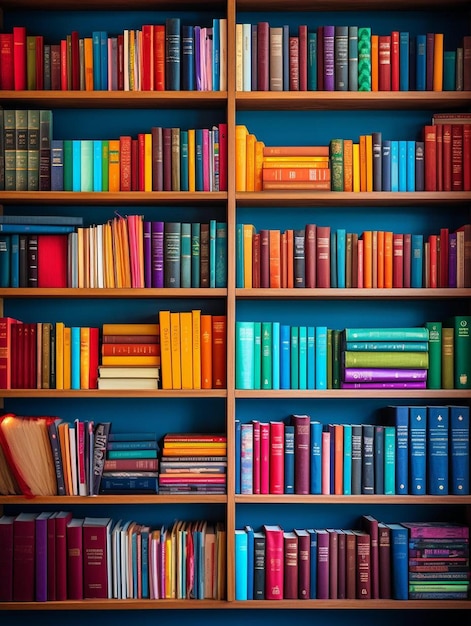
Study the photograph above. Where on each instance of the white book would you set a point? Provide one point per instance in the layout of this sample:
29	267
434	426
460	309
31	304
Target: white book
246	57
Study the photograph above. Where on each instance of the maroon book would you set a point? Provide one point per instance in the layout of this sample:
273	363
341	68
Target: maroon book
263	55
407	251
302	34
39	74
323	563
274	558
310	255
446	148
320	58
384	63
333	563
323	256
467	63
457	157
304	563
75	61
41	557
204	255
350	564
6	558
294	63
384	550
62	518
75	559
302	453
439	154
95	555
51	557
430	157
264	259
371	526
24	535
342	565
55	67
290	575
466	157
443	267
363	555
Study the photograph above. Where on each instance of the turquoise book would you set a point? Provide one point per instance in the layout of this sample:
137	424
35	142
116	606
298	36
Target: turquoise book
216	61
417	261
240	256
418	450
303	357
289	459
14	260
76	165
97	165
399	538
404	57
311	357
86	165
394	165
244	350
321	357
250	561
315	463
212	253
449	70
75	357
459	450
5	257
402	165
267	356
221	254
434	374
437	450
285	356
257	355
294	345
410	165
389	460
399	418
184	172
185	255
241	564
341	258
276	355
195	254
347	459
312	61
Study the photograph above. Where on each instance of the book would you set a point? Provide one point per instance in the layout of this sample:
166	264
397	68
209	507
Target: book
459	449
274	573
418	449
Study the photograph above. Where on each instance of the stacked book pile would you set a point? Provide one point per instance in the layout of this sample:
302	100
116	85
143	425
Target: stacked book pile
131	464
193	462
438	561
296	167
378	357
130	357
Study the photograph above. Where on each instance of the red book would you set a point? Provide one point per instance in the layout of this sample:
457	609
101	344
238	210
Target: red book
384	63
384	550
333	563
457	157
93	358
466	157
398	260
395	60
62	519
159	57
264	458
310	253
304	563
429	54
95	555
264	259
127	465
302	452
55	67
6	558
342	565
51	557
323	256
219	356
24	546
446	150
443	264
256	260
290	573
371	527
350	564
406	255
120	62
363	565
274	560
74	559
7	80
256	485
294	63
277	460
52	260
302	33
263	39
19	58
433	266
63	65
323	564
6	324
75	61
147	66
439	151
430	157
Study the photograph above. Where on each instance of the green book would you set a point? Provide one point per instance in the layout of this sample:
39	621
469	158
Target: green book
434	376
364	58
68	165
336	161
386	334
329	358
312	61
336	360
105	156
257	355
462	350
399	360
448	367
21	160
33	150
387	346
185	264
244	355
294	357
389	460
86	165
267	359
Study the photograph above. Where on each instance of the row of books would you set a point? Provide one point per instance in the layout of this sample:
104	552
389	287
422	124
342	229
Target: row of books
124	252
376	561
347	58
55	556
164	159
325	257
156	57
415	450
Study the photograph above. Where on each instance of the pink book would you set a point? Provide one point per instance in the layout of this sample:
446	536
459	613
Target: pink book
80	438
436	530
223	157
325	463
264	458
274	557
360	263
202	57
209	58
302	427
206	186
277	462
256	457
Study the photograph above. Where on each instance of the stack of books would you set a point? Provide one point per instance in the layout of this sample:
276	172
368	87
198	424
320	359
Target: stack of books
296	167
131	464
193	462
391	358
130	357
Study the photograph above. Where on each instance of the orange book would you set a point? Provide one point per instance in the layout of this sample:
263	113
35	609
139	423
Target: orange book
388	260
290	162
165	350
338	458
369	162
296	174
219	352
274	244
347	165
175	348
66	359
248	230
131	359
259	146
250	162
294	151
362	162
84	357
284	260
318	185
131	329
290	258
196	332
374	258
88	62
380	259
130	349
114	167
367	238
206	351
125	162
108	263
241	133
186	349
60	355
374	63
356	167
438	62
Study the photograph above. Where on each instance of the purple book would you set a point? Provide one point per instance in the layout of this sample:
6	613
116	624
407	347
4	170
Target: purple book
323	542
436	530
379	375
329	61
452	259
41	557
405	385
157	254
197	36
148	254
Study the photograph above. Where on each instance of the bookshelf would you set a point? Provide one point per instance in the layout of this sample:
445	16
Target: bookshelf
281	117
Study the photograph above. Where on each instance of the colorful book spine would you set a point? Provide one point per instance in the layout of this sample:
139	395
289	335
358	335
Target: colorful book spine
418	450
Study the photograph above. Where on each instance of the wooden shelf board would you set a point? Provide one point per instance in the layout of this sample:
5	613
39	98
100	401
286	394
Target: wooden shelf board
115	5
353	499
113	393
347	5
351	294
425	394
121	198
114	605
114	499
112	293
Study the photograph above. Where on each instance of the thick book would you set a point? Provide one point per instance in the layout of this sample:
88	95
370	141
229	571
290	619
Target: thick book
417	450
96	546
24	547
459	449
399	561
437	450
274	558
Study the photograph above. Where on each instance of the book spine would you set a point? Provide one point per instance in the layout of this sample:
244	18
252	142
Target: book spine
459	449
418	449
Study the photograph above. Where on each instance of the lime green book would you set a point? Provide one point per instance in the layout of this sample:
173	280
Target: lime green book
386	334
434	377
105	160
448	366
68	165
399	360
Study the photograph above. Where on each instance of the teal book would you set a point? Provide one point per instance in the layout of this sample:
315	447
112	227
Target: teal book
267	357
386	346
97	165
417	261
347	459
353	58
75	357
303	357
221	254
257	355
394	165
389	460
364	58
459	450
145	561
76	165
449	70
410	165
321	357
418	450
14	260
399	561
404	57
132	454
244	350
212	253
285	356
333	259
312	61
387	334
341	258
216	66
184	179
311	357
421	62
86	165
276	355
315	462
195	254
437	450
185	255
241	564
250	561
378	452
5	257
402	165
240	256
434	374
289	454
294	335
399	419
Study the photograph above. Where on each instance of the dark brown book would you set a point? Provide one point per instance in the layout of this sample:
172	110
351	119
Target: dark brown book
299	261
323	256
46	355
430	157
175	157
384	549
350	564
290	573
310	254
333	563
304	563
370	524
342	565
204	255
264	259
363	555
466	228
157	159
256	260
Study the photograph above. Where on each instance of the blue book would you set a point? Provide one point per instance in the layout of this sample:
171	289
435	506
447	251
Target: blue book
410	165
403	165
97	165
367	459
341	258
285	57
216	58
315	464
188	58
399	418
294	358
386	164
96	47
212	253
57	165
389	460
321	357
404	61
420	62
394	165
221	254
14	260
199	160
399	538
250	561
172	54
333	259
195	254
184	180
185	255
418	450
240	256
104	60
289	459
237	452
275	355
5	257
347	459
303	357
267	356
123	485
259	565
449	70
311	357
285	357
417	261
77	165
241	564
459	450
257	384
356	458
246	459
312	61
245	352
437	450
313	563
36	229
378	452
145	561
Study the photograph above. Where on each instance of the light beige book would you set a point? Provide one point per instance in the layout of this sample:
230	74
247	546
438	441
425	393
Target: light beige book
128	383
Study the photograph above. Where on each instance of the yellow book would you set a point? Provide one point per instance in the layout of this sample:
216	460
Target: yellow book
113	167
241	133
66	359
84	357
356	167
191	160
295	162
258	181
206	352
132	53
186	350
239	44
131	329
438	62
165	350
196	328
369	162
250	162
88	58
362	162
249	230
197	451
130	359
147	162
175	347
60	355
